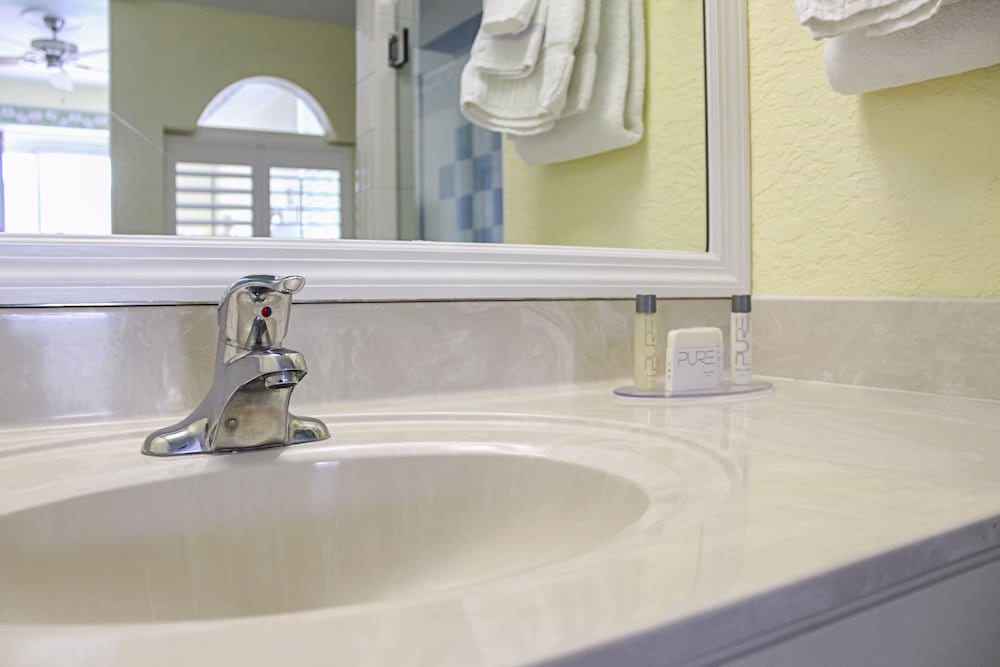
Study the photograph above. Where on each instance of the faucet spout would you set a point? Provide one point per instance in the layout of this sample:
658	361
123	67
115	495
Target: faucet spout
247	405
282	380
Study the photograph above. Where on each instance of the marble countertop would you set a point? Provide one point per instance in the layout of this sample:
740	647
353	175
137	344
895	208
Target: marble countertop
837	496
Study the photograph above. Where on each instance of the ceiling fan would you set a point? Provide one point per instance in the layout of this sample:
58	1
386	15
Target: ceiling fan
52	52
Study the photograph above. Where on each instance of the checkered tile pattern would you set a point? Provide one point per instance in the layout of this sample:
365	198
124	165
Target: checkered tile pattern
461	176
474	184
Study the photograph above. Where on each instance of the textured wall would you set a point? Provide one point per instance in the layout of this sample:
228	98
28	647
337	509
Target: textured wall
893	193
170	59
651	195
40	94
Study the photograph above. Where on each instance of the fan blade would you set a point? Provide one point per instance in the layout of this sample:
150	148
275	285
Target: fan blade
11	60
60	79
92	52
14	43
89	68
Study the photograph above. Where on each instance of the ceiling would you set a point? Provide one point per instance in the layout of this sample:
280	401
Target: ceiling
88	27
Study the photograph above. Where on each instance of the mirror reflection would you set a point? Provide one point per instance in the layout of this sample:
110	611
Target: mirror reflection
238	119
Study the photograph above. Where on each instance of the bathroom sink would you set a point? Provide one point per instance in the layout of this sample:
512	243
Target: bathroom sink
264	535
383	512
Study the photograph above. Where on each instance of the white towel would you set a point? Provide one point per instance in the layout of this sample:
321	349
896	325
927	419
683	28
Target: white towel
507	17
581	85
963	36
829	18
614	118
509	55
529	104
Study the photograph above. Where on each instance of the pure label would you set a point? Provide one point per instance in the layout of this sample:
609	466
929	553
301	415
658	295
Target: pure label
694	368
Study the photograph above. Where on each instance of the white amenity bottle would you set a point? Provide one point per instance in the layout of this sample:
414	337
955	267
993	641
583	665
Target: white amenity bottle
740	341
646	363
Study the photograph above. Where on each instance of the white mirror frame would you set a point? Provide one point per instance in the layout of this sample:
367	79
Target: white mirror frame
75	270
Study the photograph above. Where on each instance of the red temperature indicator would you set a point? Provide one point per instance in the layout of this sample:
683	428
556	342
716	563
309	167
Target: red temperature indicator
266	311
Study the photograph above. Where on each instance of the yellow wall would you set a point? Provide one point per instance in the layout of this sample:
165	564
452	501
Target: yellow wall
892	193
651	195
170	59
29	93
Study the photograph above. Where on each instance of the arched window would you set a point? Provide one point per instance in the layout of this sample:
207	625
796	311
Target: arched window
261	164
267	104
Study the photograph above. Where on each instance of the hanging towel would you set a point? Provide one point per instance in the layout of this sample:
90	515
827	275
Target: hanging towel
513	55
532	103
581	85
962	37
507	17
614	117
829	18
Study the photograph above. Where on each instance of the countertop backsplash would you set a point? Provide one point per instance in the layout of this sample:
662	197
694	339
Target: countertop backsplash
135	361
939	346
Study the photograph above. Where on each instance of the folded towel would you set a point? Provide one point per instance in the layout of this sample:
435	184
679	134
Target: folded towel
614	117
581	85
532	103
507	17
509	55
829	18
963	36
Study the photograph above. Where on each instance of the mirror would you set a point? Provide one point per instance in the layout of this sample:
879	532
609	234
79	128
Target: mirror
135	269
169	60
658	185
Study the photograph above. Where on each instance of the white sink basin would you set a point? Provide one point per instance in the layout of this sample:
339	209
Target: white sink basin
385	511
297	536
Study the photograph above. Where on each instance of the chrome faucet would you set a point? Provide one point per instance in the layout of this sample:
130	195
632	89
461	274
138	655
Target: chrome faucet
247	406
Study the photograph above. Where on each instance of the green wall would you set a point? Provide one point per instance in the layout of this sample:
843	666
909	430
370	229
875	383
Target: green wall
28	93
892	193
651	195
170	59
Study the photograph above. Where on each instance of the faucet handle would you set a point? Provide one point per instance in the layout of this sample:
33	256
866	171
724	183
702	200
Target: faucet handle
254	311
265	283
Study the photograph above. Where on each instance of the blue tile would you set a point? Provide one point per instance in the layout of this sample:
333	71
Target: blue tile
482	141
482	206
482	174
446	181
463	142
463	212
483	236
458	40
463	178
496	158
497	141
497	206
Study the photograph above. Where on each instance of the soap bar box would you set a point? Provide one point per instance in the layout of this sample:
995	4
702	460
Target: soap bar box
694	359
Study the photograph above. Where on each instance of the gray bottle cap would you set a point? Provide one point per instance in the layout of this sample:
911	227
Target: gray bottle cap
741	303
645	303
